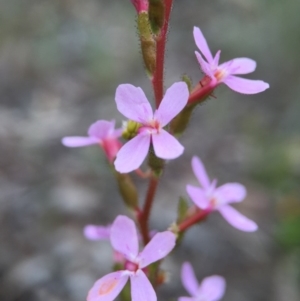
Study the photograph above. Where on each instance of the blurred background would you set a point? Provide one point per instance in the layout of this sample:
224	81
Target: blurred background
60	63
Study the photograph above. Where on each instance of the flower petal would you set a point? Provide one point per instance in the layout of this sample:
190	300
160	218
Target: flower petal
187	299
189	279
200	172
132	154
204	66
212	288
111	146
245	86
230	193
166	146
76	141
237	220
133	104
173	102
101	129
217	58
198	196
141	288
158	247
108	287
95	232
202	44
124	238
241	65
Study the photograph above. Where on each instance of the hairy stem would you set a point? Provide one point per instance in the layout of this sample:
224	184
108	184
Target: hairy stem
195	218
158	76
145	214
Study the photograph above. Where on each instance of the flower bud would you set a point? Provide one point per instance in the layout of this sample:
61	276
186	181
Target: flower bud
140	5
155	163
156	15
148	44
130	129
127	190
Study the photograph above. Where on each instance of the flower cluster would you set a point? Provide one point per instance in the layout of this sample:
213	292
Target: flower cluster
154	134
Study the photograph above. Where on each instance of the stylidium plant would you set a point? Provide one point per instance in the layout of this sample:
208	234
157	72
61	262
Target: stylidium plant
137	250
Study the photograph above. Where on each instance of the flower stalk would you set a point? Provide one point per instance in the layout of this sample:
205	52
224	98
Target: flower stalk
158	76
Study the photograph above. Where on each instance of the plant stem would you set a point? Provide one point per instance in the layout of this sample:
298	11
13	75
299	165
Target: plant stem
158	76
197	217
144	215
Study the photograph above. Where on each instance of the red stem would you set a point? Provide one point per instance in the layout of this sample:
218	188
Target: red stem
158	76
144	215
197	217
202	90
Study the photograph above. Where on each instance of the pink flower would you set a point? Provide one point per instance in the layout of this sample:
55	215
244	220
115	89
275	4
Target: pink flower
211	288
133	104
96	232
124	240
140	5
225	72
101	132
212	198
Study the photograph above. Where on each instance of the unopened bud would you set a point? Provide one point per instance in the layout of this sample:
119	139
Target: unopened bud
140	5
130	129
148	44
127	190
181	121
156	15
155	163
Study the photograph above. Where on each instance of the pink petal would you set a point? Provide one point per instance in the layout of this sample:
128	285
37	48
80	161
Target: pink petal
76	141
212	288
245	86
187	299
117	133
111	148
206	68
133	104
173	102
198	196
166	146
141	288
189	279
230	193
94	232
217	58
239	66
158	247
101	129
200	172
237	220
202	44
132	154
108	287
124	238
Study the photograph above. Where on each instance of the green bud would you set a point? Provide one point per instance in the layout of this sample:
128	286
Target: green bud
182	210
148	43
156	15
181	121
155	163
131	129
127	190
188	81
